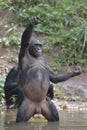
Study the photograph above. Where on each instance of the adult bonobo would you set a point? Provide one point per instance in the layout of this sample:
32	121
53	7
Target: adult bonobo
34	77
12	89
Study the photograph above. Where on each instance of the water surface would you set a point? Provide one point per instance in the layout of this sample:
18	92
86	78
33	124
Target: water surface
69	120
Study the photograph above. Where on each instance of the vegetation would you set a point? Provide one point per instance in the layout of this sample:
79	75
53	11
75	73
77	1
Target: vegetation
2	80
63	23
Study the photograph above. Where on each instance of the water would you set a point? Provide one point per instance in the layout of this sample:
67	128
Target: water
69	120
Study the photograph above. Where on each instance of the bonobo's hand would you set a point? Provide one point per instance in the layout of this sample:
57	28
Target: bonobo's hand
77	70
35	21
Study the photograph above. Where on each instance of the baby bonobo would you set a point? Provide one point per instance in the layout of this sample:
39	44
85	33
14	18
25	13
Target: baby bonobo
35	76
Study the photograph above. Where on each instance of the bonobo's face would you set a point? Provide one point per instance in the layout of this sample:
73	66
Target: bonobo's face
35	48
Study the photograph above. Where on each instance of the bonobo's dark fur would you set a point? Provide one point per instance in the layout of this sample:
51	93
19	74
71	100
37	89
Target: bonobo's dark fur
11	88
50	92
34	77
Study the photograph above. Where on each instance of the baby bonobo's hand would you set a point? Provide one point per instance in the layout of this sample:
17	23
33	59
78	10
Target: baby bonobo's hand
35	21
77	70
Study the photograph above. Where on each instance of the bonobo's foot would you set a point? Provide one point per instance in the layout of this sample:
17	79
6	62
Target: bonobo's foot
36	116
11	106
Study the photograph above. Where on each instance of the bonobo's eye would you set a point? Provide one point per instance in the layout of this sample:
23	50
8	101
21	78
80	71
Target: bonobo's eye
38	47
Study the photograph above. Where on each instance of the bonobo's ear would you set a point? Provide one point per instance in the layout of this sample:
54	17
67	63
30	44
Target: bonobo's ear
35	21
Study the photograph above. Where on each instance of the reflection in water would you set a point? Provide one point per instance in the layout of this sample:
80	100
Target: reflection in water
73	120
32	126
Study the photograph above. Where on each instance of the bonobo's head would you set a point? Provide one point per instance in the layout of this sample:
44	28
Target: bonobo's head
35	48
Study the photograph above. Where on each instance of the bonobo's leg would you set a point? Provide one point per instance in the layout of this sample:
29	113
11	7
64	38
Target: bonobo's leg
20	95
49	111
26	111
50	92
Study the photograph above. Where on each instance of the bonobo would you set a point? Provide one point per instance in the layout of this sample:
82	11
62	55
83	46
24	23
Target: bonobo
34	77
12	89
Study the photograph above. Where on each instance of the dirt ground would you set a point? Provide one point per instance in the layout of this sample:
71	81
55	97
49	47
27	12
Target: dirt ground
7	59
75	87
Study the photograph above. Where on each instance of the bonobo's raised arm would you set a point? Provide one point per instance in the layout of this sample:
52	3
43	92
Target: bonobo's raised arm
27	36
26	39
63	77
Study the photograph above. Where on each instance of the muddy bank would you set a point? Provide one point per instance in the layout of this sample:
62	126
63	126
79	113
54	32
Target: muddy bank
75	87
70	106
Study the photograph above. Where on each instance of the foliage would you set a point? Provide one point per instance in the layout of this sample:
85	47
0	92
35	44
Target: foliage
11	37
2	95
2	80
66	27
63	22
57	90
